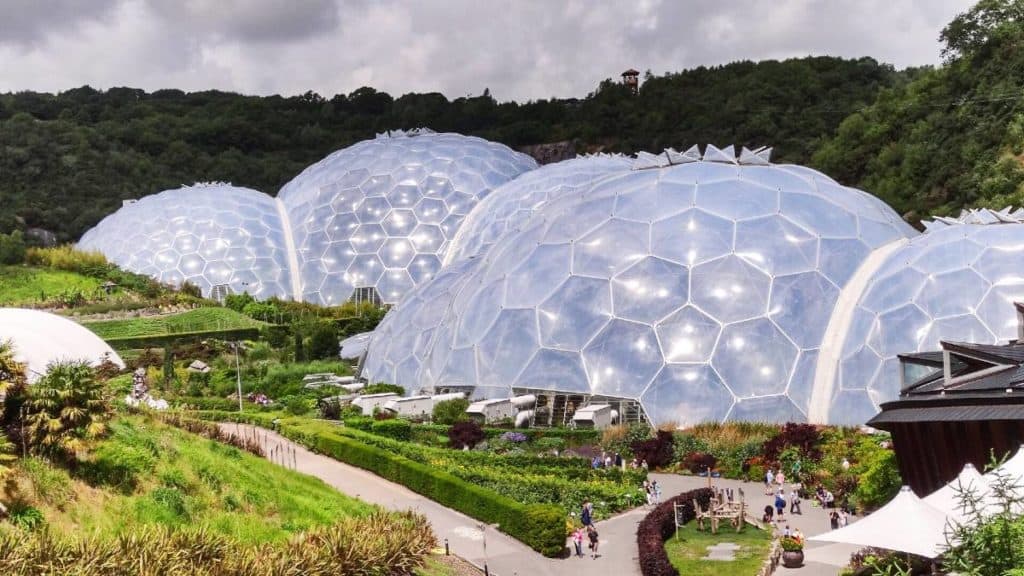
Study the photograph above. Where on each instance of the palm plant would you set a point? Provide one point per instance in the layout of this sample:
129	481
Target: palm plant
12	372
12	377
66	409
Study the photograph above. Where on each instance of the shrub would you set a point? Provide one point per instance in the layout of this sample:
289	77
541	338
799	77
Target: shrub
465	434
66	409
323	342
382	388
118	465
880	482
398	429
790	544
360	423
659	525
297	405
803	437
549	443
12	248
27	518
450	411
330	408
656	451
699	462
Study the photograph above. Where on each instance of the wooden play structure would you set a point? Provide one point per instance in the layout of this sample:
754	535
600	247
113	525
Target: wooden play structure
724	507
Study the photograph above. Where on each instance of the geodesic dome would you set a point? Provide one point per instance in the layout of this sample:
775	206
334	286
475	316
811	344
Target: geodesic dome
958	282
207	234
379	215
41	338
701	285
512	204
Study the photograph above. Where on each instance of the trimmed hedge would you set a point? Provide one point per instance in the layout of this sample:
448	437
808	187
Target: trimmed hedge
659	526
539	526
395	428
161	340
572	437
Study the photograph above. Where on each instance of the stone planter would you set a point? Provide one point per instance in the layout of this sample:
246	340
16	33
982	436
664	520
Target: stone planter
792	558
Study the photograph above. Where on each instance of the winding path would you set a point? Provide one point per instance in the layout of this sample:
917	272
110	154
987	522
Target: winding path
505	556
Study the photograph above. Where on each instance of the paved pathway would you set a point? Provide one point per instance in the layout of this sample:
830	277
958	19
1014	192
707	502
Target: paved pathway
820	558
505	555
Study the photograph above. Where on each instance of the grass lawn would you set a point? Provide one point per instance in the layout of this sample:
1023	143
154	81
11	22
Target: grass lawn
440	565
198	320
179	480
686	549
20	285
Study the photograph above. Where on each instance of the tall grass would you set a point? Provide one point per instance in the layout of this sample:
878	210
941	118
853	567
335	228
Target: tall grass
380	544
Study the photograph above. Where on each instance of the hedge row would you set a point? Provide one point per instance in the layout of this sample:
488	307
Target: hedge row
158	341
572	437
539	526
659	526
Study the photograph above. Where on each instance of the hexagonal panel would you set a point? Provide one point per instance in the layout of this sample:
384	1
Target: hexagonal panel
692	237
688	336
649	290
730	289
754	358
574	313
687	395
802	305
622	359
776	245
610	248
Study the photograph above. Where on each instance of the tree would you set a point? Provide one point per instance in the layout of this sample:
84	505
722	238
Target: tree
66	409
450	411
990	540
12	248
975	29
323	342
465	434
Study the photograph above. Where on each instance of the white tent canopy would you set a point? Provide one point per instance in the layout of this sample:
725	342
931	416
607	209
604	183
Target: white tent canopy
41	338
905	524
949	497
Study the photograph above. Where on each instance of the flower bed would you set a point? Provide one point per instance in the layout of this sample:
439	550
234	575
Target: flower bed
660	525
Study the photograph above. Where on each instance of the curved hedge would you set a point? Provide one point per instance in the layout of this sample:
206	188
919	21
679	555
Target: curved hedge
659	526
539	526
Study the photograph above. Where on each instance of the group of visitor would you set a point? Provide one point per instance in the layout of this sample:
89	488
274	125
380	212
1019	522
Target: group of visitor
587	531
838	519
652	492
606	460
258	398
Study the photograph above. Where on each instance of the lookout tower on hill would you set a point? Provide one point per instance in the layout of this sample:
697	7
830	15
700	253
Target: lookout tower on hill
631	78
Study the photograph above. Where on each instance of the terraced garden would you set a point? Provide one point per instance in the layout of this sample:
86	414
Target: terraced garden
199	320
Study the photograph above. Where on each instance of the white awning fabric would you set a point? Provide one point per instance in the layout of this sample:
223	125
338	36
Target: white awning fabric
905	524
949	497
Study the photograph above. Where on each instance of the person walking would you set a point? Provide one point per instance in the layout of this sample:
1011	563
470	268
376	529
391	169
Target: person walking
769	477
656	490
780	505
592	535
794	502
586	515
577	540
780	478
833	520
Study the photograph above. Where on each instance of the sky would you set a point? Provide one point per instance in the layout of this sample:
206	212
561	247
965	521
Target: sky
519	49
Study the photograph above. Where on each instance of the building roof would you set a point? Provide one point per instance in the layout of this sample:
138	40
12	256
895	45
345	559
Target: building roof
631	72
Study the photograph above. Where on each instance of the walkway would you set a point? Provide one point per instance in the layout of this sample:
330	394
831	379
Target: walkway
820	559
505	555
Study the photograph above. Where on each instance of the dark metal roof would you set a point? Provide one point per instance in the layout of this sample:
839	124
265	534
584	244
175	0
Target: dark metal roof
951	408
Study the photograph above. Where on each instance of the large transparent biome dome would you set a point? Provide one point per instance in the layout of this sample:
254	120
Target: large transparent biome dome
702	288
513	203
958	282
207	234
380	214
40	338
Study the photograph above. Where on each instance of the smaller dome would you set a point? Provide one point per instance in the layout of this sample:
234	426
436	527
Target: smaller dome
41	338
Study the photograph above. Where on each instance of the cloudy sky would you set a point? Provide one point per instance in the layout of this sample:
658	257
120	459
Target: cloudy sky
520	49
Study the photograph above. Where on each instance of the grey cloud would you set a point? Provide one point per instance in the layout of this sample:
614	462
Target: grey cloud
250	21
29	22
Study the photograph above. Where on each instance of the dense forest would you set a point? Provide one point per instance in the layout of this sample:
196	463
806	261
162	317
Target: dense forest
927	140
67	160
